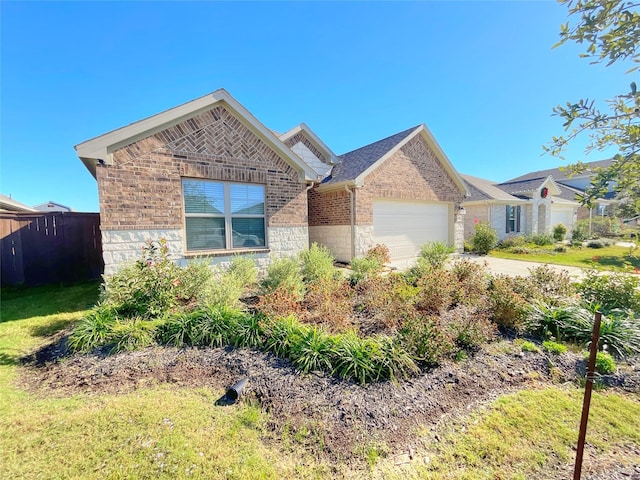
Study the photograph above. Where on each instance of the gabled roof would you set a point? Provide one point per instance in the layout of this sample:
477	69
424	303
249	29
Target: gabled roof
482	190
528	186
313	138
8	204
52	206
101	148
354	166
558	174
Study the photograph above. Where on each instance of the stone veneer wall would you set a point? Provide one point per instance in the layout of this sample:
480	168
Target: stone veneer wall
141	192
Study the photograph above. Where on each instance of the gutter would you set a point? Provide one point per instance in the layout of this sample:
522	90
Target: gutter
353	221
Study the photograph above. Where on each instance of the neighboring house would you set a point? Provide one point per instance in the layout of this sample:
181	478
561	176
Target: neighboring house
213	181
52	206
518	207
8	204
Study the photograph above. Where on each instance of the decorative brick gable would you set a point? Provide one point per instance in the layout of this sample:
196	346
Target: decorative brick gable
412	173
142	189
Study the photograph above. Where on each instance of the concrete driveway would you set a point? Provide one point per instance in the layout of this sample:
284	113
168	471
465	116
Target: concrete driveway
516	267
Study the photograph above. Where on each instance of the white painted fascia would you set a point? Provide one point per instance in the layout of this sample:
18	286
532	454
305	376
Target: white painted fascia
515	200
433	144
551	184
330	187
102	147
313	138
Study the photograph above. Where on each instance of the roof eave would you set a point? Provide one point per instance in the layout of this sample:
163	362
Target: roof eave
101	148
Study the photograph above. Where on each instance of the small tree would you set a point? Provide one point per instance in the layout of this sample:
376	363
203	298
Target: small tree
559	231
484	239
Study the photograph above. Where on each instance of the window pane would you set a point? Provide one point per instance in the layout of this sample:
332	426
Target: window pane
248	232
205	233
203	197
247	199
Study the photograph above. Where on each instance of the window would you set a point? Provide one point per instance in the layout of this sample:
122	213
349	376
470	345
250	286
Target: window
223	216
513	219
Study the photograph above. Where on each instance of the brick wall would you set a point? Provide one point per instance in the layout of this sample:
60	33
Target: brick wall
142	189
412	173
329	208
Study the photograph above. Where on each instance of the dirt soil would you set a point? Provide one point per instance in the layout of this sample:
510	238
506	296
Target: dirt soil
337	417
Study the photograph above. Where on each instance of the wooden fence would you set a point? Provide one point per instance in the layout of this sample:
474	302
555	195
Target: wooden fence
45	248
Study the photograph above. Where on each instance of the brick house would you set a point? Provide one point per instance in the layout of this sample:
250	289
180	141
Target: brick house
213	181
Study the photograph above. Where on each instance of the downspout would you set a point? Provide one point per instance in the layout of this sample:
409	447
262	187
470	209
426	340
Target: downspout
353	222
306	191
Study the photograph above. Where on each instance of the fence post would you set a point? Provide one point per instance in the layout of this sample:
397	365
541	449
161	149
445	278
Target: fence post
595	336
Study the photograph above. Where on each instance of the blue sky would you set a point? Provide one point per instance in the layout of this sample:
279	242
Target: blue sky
481	75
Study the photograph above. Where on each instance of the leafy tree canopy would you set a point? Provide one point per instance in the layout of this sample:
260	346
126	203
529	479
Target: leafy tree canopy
610	30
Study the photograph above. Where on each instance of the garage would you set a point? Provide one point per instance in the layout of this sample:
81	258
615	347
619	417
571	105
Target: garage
404	226
562	214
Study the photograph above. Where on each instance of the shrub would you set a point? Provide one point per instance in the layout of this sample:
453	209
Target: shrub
133	334
434	255
243	269
392	360
580	232
280	302
560	249
605	364
473	282
554	347
484	238
425	340
610	291
595	244
317	264
507	307
312	349
224	289
281	334
540	239
559	232
284	273
521	250
619	333
549	285
384	301
512	241
553	321
468	327
328	301
363	268
154	284
380	253
249	331
436	291
95	329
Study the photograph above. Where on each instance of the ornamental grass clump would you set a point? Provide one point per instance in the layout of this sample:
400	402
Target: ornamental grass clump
317	264
95	329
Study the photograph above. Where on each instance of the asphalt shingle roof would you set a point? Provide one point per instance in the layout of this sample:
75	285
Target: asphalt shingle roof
556	173
521	186
481	189
353	163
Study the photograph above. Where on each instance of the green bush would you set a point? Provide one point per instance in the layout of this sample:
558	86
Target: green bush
600	243
95	329
354	357
225	288
133	334
559	232
473	282
317	264
580	232
610	291
484	238
436	291
154	284
605	364
548	285
512	241
553	321
434	255
363	268
284	273
508	308
540	239
244	270
554	347
312	349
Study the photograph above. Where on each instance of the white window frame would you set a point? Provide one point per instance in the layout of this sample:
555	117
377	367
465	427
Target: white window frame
228	216
517	214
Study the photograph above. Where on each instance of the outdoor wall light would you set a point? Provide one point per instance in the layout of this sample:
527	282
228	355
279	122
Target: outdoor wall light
461	210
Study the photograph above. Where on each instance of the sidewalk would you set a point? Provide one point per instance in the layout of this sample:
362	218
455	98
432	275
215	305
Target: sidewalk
516	267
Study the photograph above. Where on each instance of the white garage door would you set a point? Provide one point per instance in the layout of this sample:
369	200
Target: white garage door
563	215
404	226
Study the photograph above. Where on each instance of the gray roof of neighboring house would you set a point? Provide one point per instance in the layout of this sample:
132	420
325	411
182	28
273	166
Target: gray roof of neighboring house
481	189
357	161
52	206
557	174
8	204
522	186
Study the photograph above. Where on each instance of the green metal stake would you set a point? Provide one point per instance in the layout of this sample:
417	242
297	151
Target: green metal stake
591	367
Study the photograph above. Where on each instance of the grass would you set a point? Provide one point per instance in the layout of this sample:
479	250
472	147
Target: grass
606	258
169	431
159	432
530	434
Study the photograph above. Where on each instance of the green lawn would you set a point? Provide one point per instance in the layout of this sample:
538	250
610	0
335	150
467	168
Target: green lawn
169	431
607	258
